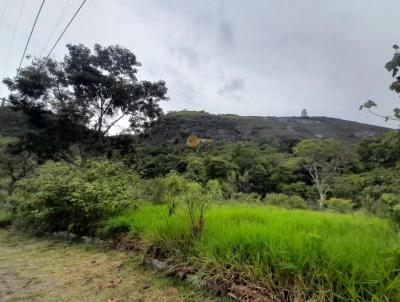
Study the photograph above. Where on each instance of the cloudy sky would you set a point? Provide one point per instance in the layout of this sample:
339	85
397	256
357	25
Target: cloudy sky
254	57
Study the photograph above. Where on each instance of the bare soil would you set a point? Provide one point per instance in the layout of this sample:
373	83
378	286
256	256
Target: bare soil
33	269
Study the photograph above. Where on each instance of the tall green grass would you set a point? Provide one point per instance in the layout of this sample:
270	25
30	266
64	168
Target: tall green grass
324	256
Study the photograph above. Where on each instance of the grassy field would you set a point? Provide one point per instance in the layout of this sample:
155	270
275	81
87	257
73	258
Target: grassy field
34	269
294	253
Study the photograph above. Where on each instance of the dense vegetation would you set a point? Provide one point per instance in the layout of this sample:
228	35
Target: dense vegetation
300	254
318	220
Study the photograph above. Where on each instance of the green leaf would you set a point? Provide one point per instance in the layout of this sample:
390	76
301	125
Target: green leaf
396	113
368	104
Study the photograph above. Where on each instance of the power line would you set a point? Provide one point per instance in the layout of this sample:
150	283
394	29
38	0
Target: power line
1	24
63	32
13	37
61	17
3	13
30	35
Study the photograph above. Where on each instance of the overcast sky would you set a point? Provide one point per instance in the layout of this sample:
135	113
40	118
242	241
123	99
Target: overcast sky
254	57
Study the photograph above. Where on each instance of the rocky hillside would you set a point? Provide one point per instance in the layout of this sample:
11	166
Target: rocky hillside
227	128
176	127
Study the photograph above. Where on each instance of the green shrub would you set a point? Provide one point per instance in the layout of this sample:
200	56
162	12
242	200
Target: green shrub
396	213
164	189
247	198
229	189
196	169
339	205
286	201
391	203
349	186
195	199
115	227
178	193
62	197
153	190
173	184
5	217
297	188
219	168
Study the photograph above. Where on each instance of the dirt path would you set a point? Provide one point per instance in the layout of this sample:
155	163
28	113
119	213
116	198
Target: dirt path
34	269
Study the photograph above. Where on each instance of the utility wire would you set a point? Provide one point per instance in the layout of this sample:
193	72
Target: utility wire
63	32
30	35
61	18
3	13
1	24
12	39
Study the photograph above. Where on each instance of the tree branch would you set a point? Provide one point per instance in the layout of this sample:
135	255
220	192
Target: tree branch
113	123
386	117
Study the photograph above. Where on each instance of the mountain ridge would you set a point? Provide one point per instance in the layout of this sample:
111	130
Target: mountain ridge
175	127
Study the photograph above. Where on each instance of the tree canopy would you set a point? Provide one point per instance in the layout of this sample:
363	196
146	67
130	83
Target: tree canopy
323	159
84	95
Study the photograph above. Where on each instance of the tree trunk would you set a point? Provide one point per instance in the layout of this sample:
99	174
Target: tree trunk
322	197
321	201
10	188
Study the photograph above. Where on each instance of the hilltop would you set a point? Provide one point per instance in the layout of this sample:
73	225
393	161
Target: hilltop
175	127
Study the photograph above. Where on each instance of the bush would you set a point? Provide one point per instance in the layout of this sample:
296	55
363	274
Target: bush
339	205
62	197
391	203
5	217
297	188
218	168
247	198
164	189
286	201
196	169
192	197
153	190
195	199
115	227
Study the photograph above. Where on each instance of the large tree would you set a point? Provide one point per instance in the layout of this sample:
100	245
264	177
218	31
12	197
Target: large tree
323	159
84	96
393	66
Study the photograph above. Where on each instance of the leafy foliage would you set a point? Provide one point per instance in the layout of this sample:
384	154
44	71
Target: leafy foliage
5	217
382	151
393	66
323	159
61	197
14	166
79	99
196	198
339	205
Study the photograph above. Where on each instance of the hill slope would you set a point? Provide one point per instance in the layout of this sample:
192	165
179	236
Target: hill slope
228	128
176	127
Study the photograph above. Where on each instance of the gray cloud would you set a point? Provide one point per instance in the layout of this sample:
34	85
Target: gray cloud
325	56
225	34
189	54
233	88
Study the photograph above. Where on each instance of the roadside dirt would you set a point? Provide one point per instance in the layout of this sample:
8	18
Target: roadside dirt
33	269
